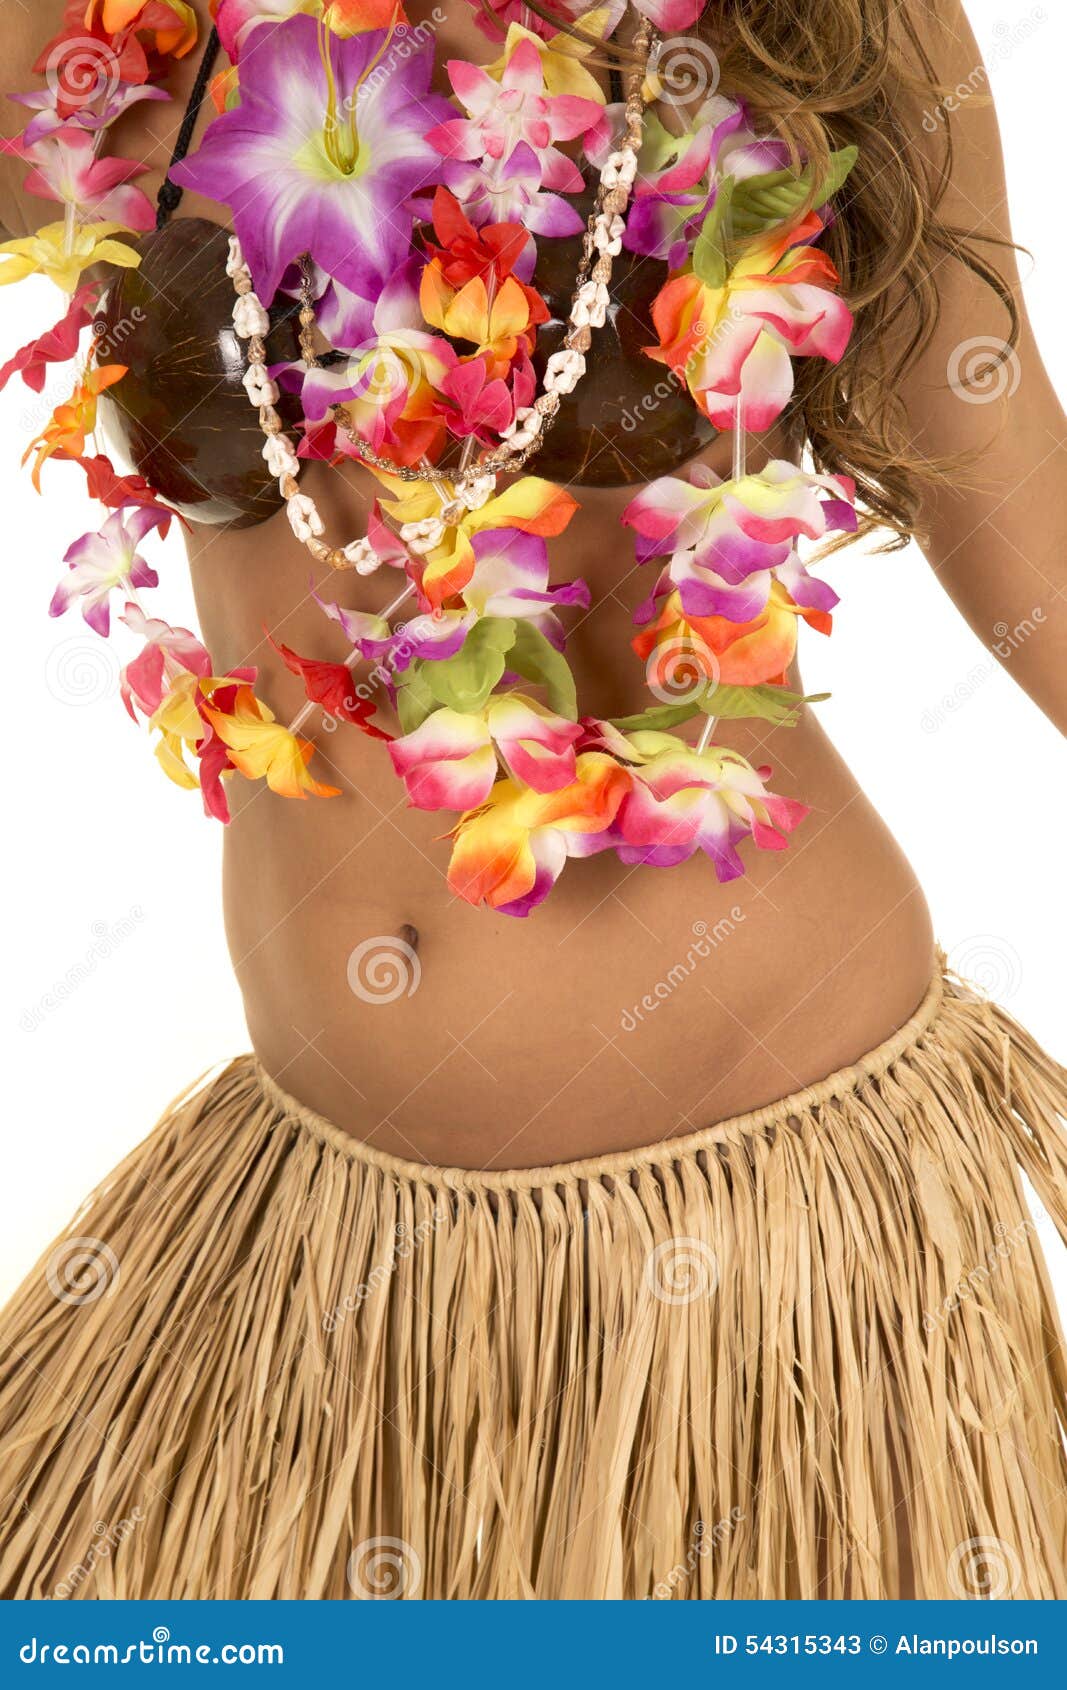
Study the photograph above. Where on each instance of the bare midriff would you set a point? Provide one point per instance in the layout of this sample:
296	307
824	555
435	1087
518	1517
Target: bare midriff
636	1004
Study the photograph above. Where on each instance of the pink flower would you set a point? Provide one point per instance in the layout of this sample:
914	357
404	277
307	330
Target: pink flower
387	384
510	851
739	339
103	561
64	167
678	175
96	114
512	110
472	404
505	153
450	761
143	679
681	801
728	541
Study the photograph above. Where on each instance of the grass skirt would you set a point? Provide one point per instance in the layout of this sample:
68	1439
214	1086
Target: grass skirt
810	1351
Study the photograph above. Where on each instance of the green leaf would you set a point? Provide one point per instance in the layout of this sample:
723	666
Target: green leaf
658	718
709	249
536	658
465	681
761	202
770	704
414	700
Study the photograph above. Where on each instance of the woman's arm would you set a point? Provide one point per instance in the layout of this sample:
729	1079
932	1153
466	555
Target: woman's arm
998	541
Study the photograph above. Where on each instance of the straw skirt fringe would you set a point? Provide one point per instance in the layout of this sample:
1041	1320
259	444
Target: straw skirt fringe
811	1351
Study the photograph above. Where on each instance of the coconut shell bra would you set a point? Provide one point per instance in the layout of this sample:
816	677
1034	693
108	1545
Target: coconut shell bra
526	287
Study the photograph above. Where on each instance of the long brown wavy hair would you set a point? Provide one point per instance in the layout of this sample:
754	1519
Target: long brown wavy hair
825	74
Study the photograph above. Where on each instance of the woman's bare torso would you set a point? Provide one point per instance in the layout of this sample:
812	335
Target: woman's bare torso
636	1004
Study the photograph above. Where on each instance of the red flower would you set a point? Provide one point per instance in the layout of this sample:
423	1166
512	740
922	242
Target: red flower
116	490
332	686
69	59
466	252
56	346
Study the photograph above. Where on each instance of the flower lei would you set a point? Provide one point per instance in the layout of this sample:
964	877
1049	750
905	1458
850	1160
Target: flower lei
407	224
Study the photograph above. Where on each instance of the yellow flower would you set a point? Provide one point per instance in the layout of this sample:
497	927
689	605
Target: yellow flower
561	58
47	252
178	722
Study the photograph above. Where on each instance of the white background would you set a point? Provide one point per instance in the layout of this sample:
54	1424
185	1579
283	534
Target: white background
117	989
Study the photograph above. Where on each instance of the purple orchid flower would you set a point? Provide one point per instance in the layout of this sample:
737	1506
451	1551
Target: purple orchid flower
324	152
95	115
105	560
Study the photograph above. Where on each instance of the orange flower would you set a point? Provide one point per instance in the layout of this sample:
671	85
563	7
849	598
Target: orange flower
113	16
262	749
74	419
499	324
741	654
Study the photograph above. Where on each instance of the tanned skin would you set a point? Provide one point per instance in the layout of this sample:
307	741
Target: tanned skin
510	1052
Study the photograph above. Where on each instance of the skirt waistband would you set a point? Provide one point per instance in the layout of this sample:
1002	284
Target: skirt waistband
625	1162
